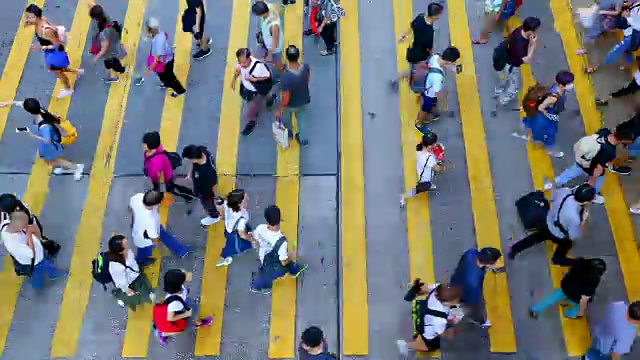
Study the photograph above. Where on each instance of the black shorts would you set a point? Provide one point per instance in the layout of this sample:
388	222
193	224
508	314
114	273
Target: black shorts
113	64
432	344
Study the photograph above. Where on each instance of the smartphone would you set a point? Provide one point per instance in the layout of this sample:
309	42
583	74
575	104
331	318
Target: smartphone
458	68
22	129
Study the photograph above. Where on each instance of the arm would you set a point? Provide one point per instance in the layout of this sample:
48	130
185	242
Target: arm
236	75
549	101
104	46
502	6
533	44
597	172
275	37
173	316
5	104
117	272
284	101
584	300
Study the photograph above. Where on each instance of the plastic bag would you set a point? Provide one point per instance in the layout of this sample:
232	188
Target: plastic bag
588	15
280	133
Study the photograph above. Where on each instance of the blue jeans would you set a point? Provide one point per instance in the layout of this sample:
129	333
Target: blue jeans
168	240
573	172
620	49
594	354
44	267
301	117
557	296
634	149
263	281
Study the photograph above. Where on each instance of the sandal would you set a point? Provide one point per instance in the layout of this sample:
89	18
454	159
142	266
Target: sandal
590	70
581	52
480	42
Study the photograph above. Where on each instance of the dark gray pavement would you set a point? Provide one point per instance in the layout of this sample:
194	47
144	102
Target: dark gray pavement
246	320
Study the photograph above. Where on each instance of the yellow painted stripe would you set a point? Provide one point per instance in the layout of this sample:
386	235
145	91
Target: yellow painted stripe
136	337
417	209
13	68
37	185
355	306
89	234
617	211
283	299
576	332
498	302
214	279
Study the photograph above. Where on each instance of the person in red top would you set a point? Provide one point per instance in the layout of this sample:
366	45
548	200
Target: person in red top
157	167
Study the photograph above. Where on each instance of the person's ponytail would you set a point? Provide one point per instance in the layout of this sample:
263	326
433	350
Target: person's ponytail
419	147
33	107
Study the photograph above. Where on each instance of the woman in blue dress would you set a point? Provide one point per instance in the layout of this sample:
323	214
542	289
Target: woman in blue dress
544	123
237	230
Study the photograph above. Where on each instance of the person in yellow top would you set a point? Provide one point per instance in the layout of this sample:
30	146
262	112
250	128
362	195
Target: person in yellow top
33	107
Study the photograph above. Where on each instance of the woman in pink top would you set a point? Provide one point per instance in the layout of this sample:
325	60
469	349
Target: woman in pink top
157	167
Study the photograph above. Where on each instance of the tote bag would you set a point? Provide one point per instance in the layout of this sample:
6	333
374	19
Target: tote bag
159	68
280	133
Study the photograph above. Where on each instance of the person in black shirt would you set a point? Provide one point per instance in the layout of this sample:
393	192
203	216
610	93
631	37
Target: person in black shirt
194	18
603	159
205	180
522	43
313	346
422	45
577	288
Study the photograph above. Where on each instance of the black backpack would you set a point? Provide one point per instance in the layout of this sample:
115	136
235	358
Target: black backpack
100	270
421	309
501	55
263	87
174	158
532	210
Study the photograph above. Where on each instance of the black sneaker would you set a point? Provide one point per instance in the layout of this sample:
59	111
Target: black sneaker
248	129
201	54
621	170
110	80
533	315
175	94
302	142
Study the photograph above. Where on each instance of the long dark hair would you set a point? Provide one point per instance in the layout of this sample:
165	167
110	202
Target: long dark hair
116	249
33	107
97	14
34	9
234	199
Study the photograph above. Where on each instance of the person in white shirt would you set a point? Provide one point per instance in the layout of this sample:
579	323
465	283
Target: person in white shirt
426	165
435	311
29	257
132	287
237	230
273	252
434	98
179	305
147	232
255	85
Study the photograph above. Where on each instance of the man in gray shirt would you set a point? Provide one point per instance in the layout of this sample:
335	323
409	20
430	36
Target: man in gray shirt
614	335
565	222
295	95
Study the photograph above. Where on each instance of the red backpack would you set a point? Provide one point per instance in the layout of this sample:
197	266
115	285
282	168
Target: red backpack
160	312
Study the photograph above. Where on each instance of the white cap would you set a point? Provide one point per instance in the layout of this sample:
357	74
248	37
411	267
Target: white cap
153	23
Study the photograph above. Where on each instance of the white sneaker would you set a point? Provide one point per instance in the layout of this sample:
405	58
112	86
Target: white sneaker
548	185
77	174
224	262
57	171
403	202
635	211
152	297
64	93
598	199
486	324
209	221
556	154
403	348
121	303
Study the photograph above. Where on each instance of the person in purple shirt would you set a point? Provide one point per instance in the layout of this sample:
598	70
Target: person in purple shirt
613	336
469	276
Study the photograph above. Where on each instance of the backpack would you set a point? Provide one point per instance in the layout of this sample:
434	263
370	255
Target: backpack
60	31
420	309
419	75
100	270
160	312
262	87
56	137
532	210
501	54
534	97
174	158
116	26
336	11
587	148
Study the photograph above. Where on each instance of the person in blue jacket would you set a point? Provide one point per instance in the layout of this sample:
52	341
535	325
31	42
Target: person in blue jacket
469	276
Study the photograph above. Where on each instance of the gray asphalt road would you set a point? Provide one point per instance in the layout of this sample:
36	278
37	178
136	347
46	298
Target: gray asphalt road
245	330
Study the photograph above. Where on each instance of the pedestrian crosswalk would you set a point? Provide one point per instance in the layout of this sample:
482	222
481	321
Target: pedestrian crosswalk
82	321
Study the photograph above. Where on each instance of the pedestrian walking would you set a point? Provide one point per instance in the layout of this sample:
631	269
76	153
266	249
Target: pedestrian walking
51	39
593	155
30	259
205	180
327	24
605	18
565	223
469	275
631	88
132	287
158	167
497	12
516	50
614	335
427	165
542	106
193	21
147	232
273	252
106	44
272	35
172	316
237	230
577	288
422	31
313	345
161	59
433	316
295	95
256	82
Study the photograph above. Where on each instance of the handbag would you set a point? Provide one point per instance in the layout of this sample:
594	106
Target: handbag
56	58
423	186
51	247
280	133
159	68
